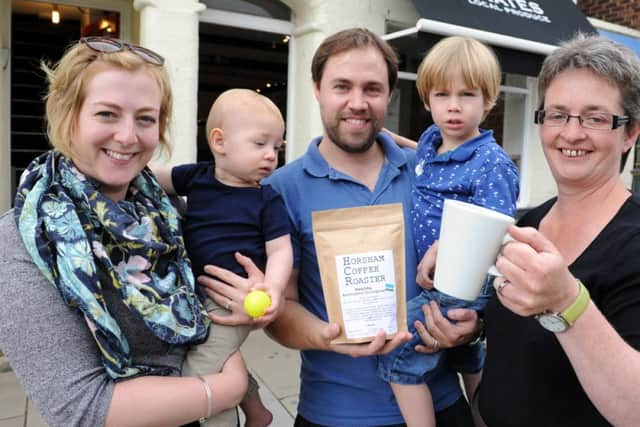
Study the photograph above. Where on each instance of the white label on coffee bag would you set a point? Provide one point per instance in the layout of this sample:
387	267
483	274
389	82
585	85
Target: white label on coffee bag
367	293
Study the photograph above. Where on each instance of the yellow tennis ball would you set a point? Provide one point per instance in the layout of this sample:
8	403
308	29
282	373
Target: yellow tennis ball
256	302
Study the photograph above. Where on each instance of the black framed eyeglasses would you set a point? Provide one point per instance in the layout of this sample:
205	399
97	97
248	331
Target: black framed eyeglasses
591	120
110	45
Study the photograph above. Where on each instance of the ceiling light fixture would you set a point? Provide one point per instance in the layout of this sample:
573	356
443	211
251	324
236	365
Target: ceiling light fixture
107	24
55	15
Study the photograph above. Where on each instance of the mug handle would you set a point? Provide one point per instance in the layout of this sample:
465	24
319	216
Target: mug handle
493	270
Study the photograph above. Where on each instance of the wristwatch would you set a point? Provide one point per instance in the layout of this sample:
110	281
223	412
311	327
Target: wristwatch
481	335
560	322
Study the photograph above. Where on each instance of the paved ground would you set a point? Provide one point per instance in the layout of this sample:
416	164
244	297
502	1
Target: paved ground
275	367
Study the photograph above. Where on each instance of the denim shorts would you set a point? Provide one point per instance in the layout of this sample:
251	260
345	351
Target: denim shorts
406	366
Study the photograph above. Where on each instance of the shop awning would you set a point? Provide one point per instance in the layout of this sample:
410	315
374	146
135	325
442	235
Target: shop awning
521	32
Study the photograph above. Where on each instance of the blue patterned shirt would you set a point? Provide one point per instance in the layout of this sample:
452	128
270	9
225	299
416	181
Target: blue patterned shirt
478	172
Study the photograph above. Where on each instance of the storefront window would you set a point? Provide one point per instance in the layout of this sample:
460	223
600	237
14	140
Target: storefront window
40	32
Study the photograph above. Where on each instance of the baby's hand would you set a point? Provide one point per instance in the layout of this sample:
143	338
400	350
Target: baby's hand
271	312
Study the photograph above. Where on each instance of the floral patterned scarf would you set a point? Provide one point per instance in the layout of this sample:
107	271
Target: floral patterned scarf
74	233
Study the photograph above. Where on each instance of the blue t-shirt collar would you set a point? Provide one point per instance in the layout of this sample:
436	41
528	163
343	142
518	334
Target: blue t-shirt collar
462	153
315	164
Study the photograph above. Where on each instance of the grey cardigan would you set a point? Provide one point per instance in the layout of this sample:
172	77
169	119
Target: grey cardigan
49	345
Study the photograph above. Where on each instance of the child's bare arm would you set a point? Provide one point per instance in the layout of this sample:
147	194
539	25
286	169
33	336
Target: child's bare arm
277	274
163	174
427	266
401	140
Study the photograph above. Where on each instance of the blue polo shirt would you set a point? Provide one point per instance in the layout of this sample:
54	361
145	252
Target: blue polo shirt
477	172
338	390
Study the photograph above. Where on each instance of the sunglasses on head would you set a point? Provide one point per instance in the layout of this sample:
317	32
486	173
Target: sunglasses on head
109	45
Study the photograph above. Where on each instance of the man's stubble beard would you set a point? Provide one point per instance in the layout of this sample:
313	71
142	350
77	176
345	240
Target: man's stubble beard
333	135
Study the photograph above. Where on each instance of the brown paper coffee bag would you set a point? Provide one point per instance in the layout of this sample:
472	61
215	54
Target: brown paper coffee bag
362	267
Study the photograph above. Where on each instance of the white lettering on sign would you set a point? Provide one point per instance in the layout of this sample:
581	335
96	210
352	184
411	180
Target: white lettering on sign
521	8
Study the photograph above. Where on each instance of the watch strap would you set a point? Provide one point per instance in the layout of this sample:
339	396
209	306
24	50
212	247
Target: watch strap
481	335
575	310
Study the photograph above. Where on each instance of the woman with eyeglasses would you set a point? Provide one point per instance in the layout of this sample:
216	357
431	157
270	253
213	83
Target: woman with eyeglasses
564	332
97	300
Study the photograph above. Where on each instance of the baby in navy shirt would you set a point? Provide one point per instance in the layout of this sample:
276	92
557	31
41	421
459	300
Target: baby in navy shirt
228	212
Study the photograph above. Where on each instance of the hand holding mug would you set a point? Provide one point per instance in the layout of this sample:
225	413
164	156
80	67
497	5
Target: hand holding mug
537	275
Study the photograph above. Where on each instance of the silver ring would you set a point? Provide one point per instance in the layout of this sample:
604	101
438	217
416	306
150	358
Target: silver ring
436	345
503	285
228	305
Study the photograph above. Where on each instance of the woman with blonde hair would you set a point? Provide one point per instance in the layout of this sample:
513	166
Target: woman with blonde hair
98	298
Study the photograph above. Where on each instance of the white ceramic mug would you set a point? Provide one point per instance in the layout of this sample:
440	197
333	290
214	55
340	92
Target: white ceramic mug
470	239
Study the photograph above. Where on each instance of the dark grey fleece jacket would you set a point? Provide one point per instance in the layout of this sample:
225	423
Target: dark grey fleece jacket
50	347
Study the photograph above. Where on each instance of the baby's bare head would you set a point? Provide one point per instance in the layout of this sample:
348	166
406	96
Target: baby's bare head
240	102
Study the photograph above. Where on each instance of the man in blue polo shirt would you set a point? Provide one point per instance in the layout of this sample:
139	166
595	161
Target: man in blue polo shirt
352	164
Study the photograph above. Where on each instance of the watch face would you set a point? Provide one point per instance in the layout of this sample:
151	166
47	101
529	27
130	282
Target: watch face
552	322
